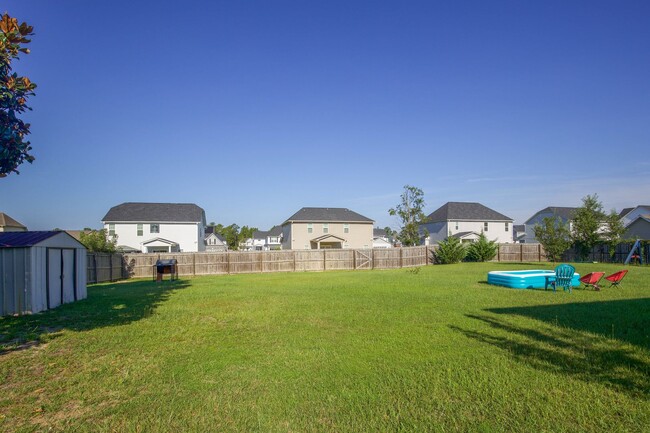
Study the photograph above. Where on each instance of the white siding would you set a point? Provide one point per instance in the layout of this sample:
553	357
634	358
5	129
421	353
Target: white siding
189	236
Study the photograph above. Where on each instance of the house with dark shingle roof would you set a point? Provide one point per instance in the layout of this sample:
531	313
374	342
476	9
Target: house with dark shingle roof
466	221
265	240
631	214
326	227
565	215
157	227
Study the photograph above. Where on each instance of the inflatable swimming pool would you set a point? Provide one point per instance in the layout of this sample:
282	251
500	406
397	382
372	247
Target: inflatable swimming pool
529	279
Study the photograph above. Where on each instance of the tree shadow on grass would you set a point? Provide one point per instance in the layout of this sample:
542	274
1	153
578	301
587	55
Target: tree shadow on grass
568	351
107	305
625	319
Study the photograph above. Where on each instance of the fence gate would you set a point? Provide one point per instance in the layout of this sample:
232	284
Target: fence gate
362	259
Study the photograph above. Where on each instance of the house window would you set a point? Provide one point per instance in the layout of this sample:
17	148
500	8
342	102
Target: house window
485	227
139	229
310	228
346	228
326	228
456	225
154	228
111	229
506	226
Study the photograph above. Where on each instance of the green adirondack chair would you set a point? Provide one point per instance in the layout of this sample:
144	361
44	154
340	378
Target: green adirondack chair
563	276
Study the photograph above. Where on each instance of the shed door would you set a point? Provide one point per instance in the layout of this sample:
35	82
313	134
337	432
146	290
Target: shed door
68	275
54	274
61	276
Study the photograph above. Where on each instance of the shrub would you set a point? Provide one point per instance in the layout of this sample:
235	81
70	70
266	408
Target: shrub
451	250
482	250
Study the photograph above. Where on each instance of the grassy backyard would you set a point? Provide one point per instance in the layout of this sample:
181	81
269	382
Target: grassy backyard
375	351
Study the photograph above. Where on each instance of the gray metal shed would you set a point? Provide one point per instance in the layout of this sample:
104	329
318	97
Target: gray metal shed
40	270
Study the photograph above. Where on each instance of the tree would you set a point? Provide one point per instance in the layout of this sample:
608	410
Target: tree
97	241
587	221
482	250
449	251
410	213
14	91
614	231
555	237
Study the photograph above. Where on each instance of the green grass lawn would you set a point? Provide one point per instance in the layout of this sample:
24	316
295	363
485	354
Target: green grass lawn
375	351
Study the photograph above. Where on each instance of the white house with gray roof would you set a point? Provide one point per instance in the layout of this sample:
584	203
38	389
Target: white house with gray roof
466	221
157	227
565	214
325	228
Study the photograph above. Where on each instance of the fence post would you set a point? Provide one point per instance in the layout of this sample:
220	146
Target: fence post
228	262
499	253
111	267
373	259
194	264
401	257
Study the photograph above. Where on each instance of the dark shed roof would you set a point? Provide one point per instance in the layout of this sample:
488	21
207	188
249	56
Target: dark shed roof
317	214
155	212
24	239
465	211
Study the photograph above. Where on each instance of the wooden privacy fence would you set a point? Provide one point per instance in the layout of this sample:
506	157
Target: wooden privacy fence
101	267
236	262
246	262
520	253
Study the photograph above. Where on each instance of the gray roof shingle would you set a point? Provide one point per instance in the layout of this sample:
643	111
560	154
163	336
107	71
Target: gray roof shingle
155	212
24	239
565	213
327	214
465	211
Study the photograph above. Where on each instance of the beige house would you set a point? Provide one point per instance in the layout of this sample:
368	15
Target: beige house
8	224
315	228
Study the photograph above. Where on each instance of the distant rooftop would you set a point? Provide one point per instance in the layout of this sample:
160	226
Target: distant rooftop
465	211
327	214
155	212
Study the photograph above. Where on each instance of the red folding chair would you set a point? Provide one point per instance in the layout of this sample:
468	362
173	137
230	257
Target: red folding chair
592	280
616	277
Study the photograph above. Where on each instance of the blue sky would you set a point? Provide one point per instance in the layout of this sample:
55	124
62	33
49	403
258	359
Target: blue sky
253	110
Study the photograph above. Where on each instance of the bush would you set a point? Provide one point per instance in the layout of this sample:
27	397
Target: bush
451	250
482	250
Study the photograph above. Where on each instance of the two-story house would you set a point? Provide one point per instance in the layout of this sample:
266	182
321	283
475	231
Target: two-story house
565	215
323	228
157	227
265	240
214	242
637	222
466	221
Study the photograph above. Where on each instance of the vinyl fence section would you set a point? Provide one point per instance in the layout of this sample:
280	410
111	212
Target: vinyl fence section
102	267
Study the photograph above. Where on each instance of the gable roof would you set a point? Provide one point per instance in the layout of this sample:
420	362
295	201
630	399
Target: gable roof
565	213
7	221
379	232
25	239
327	214
216	235
627	210
467	211
155	212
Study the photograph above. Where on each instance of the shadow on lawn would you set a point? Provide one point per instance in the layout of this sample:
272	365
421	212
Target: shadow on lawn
568	351
107	305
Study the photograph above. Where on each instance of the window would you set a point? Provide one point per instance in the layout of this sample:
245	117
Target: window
326	228
139	229
456	225
111	229
346	228
506	226
154	228
310	228
485	227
